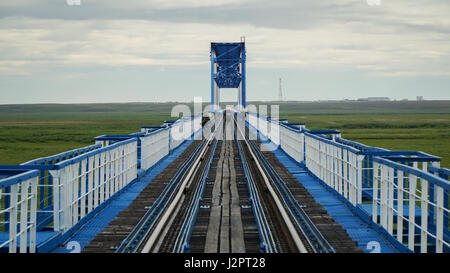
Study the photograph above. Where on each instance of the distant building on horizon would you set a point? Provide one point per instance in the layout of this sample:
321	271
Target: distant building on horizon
420	98
378	99
375	99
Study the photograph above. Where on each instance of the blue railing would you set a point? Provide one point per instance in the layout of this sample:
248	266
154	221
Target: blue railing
412	205
45	184
106	140
358	172
18	193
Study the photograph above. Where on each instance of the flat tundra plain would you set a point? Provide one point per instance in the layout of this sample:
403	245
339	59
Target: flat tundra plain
31	131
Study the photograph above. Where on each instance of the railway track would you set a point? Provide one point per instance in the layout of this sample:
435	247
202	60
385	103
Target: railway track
224	196
223	229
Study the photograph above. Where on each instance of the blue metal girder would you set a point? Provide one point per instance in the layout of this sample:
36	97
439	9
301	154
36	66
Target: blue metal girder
228	58
228	67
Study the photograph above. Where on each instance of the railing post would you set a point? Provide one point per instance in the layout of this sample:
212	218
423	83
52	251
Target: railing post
412	179
424	211
346	175
83	189
23	215
302	147
33	206
56	199
376	177
91	177
170	139
67	184
390	204
439	219
433	192
75	188
340	171
13	219
360	159
383	196
400	196
96	179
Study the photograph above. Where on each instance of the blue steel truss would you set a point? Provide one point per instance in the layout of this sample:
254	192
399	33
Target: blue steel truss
228	69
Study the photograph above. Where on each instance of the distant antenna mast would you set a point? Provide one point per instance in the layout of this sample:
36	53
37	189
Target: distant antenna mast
280	91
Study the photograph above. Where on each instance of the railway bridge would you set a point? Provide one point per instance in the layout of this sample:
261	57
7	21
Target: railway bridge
226	181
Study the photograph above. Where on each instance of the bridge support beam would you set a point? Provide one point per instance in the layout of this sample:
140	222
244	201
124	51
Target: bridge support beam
228	71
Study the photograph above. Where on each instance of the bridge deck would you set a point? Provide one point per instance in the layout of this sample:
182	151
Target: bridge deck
356	228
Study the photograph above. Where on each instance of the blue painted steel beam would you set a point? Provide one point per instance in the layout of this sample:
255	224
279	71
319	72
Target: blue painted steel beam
401	155
322	132
228	69
17	178
20	168
244	79
443	172
213	76
414	171
62	156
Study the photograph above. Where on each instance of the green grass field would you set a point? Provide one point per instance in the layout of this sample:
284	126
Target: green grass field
31	131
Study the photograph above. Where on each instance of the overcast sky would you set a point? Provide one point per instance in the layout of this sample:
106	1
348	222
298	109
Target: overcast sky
158	50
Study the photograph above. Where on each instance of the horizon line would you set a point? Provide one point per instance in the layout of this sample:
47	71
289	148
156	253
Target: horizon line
223	102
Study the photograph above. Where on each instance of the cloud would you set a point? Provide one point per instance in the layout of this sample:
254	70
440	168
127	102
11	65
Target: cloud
396	38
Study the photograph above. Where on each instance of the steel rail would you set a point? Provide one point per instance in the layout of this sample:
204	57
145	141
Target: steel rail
182	242
268	243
